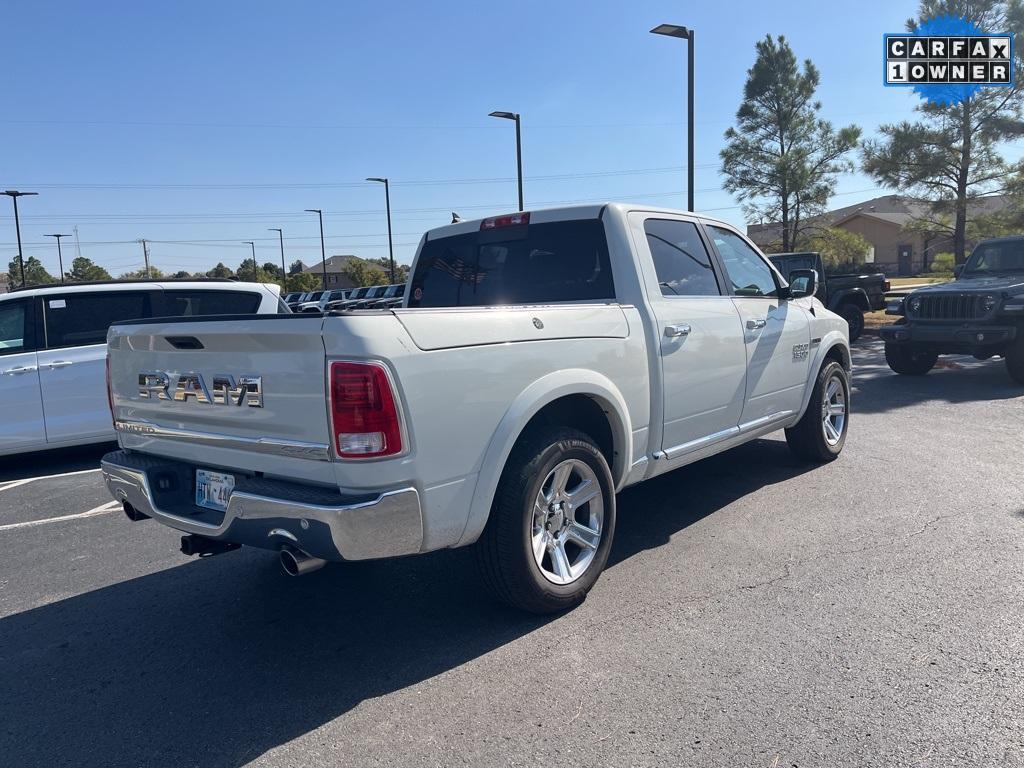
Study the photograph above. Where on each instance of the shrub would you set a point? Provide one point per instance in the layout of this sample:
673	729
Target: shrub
942	262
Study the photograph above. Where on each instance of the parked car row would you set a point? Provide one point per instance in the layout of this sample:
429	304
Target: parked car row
368	297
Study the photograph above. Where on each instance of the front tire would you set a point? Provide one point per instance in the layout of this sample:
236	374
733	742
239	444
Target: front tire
905	361
551	524
820	434
854	317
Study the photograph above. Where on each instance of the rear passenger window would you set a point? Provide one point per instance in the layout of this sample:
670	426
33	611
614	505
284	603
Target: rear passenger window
189	303
75	320
14	327
681	261
523	264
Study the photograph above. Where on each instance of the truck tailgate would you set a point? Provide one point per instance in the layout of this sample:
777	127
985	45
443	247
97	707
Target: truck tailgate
247	393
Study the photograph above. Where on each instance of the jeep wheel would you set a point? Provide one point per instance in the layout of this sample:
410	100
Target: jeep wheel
1015	360
551	524
905	361
854	317
820	434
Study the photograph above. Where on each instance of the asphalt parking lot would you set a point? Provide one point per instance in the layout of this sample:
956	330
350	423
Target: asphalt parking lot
755	612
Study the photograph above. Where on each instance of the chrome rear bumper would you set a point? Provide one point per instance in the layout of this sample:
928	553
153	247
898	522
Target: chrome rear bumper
270	514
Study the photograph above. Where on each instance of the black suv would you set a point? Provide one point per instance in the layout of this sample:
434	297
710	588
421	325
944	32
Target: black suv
981	313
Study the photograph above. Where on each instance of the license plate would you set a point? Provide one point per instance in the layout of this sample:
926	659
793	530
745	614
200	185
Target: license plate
213	489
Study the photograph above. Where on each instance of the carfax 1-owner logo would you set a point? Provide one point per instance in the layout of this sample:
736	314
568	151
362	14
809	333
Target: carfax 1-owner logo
946	60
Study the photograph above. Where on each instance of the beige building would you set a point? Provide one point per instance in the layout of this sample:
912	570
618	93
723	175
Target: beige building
883	222
335	264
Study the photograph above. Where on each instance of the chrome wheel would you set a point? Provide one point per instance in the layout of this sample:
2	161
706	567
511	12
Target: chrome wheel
568	520
833	410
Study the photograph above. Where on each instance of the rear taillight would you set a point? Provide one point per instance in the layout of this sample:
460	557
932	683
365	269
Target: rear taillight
110	391
511	220
364	413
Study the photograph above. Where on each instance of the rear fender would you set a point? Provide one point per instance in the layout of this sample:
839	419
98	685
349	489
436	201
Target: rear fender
856	296
540	393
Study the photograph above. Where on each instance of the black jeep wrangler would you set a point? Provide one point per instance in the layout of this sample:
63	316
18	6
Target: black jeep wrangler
981	313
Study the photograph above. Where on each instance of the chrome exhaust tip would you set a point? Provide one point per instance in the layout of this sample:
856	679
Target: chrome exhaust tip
296	563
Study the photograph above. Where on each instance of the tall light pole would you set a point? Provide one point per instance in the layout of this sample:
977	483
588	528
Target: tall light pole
284	272
60	257
519	148
674	30
387	203
255	274
323	249
145	255
14	195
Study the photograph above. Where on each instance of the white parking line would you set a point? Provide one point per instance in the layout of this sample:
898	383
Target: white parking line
103	509
15	483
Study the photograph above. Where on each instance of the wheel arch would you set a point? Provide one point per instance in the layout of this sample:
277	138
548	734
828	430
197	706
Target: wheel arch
858	297
586	399
833	348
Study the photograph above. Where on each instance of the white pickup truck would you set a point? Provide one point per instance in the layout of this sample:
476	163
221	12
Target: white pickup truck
541	362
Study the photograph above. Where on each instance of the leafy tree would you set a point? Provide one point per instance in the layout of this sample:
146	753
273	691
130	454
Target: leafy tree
85	269
296	267
182	274
839	248
951	155
35	272
220	271
270	268
384	262
362	272
303	281
141	274
781	160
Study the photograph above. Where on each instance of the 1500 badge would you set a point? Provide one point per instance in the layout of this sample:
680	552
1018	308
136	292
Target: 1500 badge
800	352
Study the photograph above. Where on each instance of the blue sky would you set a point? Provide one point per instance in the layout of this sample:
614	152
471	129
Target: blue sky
211	122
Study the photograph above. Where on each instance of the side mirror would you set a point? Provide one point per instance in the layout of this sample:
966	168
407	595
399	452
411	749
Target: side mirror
957	270
803	283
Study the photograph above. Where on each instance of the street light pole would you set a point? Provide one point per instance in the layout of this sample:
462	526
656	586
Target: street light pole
145	255
673	30
323	249
14	195
284	272
387	203
60	257
519	148
255	274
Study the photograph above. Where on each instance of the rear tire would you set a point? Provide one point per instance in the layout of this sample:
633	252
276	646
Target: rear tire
820	434
905	361
537	512
1015	359
854	317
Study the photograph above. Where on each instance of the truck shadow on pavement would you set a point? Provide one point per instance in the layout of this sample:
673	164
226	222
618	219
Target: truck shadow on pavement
956	379
53	462
216	661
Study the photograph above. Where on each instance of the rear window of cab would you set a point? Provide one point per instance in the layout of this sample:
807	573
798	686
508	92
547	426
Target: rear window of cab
562	261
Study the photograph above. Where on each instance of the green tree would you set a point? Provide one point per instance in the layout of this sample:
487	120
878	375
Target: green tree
839	248
154	273
303	281
384	262
220	271
781	160
951	155
362	272
295	268
35	272
273	270
85	269
182	274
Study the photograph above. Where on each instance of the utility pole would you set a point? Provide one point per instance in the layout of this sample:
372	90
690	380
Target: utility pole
14	195
255	274
284	272
323	249
60	258
145	255
387	203
685	33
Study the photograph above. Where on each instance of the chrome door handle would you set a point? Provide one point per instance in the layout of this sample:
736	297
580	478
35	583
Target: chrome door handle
756	325
675	331
60	364
19	369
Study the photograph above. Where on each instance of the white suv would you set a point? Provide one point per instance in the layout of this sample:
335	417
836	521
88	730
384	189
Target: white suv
53	346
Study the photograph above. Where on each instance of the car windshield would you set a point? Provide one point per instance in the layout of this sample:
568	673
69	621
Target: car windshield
999	256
